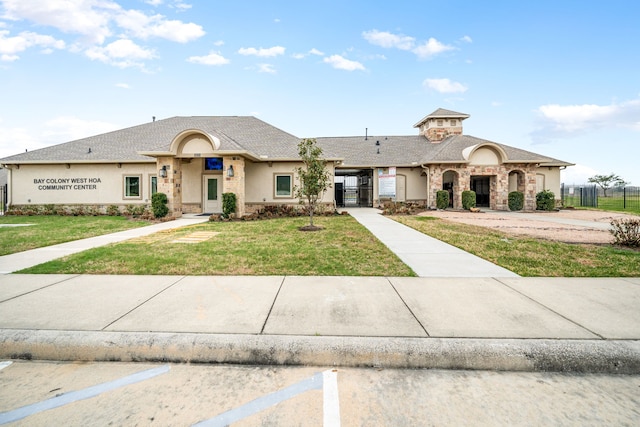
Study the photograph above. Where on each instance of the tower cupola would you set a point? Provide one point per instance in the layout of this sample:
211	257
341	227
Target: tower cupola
440	124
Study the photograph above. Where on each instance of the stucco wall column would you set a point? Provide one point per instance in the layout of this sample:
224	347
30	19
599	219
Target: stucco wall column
172	184
235	184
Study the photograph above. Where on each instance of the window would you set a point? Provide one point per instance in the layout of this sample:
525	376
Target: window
213	164
132	187
454	122
283	185
440	122
153	184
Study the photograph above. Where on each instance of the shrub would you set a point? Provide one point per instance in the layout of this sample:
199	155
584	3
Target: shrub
113	210
159	205
545	201
228	204
442	199
626	232
516	201
468	199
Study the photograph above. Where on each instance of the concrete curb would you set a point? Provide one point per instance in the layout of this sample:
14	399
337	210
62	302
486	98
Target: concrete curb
587	356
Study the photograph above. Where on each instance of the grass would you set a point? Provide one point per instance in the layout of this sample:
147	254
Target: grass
273	247
528	256
612	203
51	230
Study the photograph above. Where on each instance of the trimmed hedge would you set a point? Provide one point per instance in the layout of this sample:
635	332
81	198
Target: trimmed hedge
442	199
516	201
468	199
545	201
228	204
159	205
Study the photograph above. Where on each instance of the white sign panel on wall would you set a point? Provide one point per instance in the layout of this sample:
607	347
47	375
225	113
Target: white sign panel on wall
387	183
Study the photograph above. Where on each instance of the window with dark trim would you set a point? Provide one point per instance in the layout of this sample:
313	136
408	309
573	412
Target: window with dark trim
283	184
132	187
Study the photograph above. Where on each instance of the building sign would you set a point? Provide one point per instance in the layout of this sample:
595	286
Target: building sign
56	184
387	183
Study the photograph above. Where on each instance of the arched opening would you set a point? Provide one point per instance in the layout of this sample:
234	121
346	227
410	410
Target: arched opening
450	184
517	181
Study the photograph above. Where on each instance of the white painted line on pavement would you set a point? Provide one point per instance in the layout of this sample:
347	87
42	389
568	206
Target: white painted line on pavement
73	396
331	411
330	399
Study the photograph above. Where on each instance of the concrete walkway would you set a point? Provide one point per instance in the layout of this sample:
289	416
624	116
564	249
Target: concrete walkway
427	257
558	324
497	322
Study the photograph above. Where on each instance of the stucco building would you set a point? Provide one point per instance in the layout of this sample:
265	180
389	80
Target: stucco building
195	159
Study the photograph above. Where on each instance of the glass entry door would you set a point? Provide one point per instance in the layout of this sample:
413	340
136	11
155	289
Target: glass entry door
212	194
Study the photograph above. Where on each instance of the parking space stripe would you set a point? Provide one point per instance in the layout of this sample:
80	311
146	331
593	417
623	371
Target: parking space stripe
331	410
330	399
74	396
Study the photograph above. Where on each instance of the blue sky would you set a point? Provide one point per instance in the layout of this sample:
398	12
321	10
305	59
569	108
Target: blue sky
560	78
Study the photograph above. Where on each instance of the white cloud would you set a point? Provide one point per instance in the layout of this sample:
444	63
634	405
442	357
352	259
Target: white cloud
340	63
388	40
313	51
577	174
445	86
466	39
567	120
264	53
213	58
144	26
218	43
122	53
123	85
431	48
11	46
266	68
94	22
15	141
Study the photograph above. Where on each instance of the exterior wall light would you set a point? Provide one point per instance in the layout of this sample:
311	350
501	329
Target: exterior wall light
230	171
163	172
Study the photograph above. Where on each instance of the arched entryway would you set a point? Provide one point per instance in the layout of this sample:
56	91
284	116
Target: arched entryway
450	183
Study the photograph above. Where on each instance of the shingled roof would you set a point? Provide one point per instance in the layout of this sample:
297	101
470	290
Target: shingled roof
242	134
258	140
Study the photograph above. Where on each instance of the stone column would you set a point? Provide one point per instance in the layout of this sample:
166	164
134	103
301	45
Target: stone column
236	183
171	185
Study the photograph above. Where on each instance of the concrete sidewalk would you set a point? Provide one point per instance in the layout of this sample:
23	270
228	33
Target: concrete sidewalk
558	324
22	260
427	257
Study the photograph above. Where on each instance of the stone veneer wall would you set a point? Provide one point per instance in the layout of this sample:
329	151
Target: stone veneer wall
172	184
235	184
499	183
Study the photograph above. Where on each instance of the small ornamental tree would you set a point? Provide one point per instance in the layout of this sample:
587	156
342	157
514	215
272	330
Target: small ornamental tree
442	199
313	177
607	181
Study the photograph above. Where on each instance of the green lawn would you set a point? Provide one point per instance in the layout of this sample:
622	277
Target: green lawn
51	230
528	256
615	204
272	247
